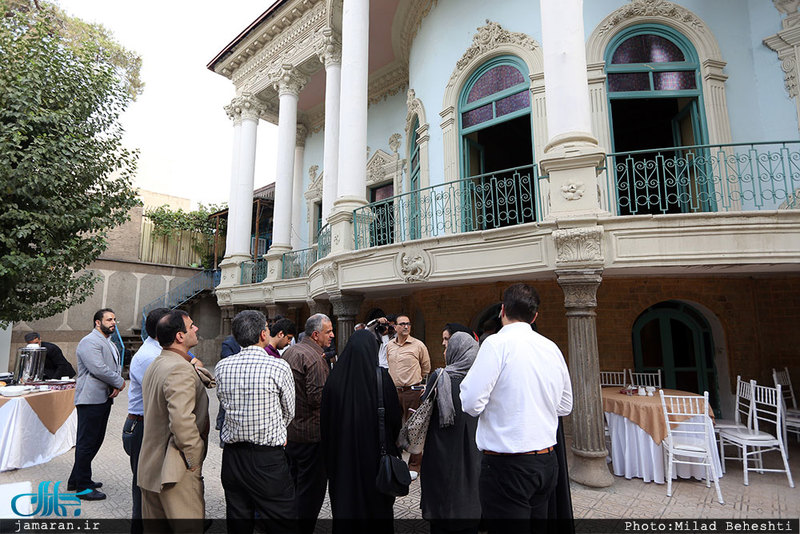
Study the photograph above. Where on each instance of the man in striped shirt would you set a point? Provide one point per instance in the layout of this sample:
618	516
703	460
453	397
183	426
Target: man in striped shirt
257	392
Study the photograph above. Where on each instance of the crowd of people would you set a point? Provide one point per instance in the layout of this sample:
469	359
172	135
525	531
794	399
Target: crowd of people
293	423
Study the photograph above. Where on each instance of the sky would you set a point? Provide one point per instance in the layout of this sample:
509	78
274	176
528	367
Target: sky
178	123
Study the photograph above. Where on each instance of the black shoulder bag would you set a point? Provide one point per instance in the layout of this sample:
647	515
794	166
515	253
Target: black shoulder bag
393	475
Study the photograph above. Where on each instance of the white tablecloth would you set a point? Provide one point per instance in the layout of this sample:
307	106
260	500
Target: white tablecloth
25	441
634	454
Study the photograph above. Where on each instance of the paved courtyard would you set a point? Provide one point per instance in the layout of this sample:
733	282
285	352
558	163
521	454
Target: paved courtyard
768	496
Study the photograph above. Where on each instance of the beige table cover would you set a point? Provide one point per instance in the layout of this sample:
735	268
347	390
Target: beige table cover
53	407
643	410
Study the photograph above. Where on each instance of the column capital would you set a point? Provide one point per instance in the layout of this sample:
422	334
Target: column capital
245	106
329	47
579	247
287	80
302	133
346	305
579	287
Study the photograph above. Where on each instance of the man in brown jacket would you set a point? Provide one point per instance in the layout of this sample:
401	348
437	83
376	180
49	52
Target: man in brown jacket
306	462
175	429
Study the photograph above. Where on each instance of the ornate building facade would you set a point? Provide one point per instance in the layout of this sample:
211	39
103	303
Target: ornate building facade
636	161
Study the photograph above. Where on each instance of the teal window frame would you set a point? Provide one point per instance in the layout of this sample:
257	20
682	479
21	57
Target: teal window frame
464	107
414	184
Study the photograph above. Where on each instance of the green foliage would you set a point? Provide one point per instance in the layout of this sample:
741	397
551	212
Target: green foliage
167	222
65	178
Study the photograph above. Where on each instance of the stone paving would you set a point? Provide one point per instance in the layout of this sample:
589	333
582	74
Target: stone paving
767	496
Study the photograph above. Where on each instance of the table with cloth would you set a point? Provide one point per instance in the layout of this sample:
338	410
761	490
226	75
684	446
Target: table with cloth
637	427
36	427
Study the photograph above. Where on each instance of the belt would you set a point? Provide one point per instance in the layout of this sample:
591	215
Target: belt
407	388
542	451
255	446
134	417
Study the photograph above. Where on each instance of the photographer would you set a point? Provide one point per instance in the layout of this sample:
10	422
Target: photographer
384	330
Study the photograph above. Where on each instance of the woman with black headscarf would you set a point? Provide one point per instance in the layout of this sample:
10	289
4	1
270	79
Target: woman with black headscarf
451	463
349	424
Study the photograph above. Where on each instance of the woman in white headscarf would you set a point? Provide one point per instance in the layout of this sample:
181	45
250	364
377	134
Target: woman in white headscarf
451	462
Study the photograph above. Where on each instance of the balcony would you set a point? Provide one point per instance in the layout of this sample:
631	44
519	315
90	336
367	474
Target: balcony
252	271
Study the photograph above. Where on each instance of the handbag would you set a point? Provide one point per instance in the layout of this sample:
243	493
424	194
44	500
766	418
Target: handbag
412	435
393	475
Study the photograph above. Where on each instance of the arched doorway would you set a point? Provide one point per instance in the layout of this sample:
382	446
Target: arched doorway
674	337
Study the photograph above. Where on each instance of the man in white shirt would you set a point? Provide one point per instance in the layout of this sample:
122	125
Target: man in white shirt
518	387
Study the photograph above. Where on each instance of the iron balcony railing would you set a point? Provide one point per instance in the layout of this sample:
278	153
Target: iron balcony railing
252	271
202	281
324	242
704	178
492	200
295	264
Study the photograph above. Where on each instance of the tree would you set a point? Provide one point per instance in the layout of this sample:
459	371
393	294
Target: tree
65	178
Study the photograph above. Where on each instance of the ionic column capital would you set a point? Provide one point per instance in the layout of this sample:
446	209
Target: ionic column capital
287	80
245	106
329	47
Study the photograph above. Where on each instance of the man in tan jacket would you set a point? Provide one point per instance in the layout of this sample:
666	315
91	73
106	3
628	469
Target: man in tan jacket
175	429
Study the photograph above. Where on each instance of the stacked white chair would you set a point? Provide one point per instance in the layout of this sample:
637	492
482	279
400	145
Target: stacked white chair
689	436
741	415
766	411
782	379
646	379
613	378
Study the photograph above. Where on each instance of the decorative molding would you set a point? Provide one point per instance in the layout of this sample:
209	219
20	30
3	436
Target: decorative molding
383	167
413	265
414	13
572	191
328	47
579	245
417	111
787	7
330	277
287	80
488	38
388	81
580	290
346	305
245	106
651	8
394	142
302	133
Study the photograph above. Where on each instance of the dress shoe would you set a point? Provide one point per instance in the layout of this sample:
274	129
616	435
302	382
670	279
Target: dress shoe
414	475
93	495
92	485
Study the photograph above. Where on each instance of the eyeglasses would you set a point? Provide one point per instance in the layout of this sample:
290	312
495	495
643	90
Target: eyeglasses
403	324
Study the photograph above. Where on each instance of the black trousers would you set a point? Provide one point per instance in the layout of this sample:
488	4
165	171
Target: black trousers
92	422
132	433
515	491
256	479
307	466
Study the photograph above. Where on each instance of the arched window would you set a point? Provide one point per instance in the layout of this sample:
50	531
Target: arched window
655	101
494	119
414	183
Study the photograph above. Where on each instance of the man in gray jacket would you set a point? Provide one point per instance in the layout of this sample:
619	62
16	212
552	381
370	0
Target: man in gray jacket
99	381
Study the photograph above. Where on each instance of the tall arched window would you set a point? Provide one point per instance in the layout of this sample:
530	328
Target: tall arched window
655	101
494	118
414	183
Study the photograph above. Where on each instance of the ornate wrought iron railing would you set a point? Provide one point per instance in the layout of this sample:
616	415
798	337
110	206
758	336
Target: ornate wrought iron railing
492	200
297	262
252	272
704	178
202	281
324	242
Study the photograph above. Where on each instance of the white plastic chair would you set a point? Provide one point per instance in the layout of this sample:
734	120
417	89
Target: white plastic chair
741	415
782	378
766	410
613	378
689	436
646	379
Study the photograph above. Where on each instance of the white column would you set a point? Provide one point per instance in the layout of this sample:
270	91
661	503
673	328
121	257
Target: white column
352	179
298	241
244	111
288	82
330	53
566	84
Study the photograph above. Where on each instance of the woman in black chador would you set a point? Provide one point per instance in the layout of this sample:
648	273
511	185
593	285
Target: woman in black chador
451	463
349	424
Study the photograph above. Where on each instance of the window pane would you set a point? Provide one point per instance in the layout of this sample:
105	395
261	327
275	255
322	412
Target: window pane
628	81
682	344
647	49
494	81
414	160
476	116
674	81
513	103
383	192
652	354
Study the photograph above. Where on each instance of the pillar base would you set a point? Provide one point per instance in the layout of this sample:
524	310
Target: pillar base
230	271
590	469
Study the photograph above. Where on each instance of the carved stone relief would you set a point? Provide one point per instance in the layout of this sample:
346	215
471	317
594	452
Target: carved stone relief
649	8
572	191
413	265
245	106
579	245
